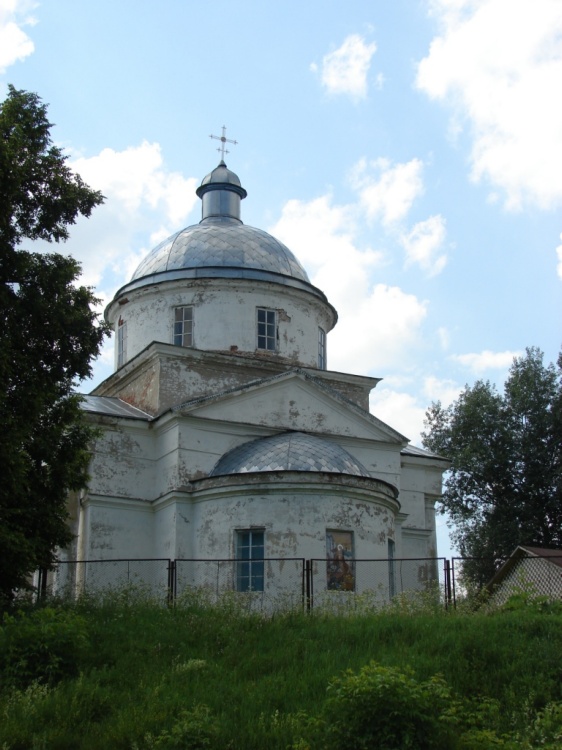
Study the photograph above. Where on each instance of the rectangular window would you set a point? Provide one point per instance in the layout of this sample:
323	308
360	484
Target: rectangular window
321	349
249	555
183	326
340	568
121	343
267	329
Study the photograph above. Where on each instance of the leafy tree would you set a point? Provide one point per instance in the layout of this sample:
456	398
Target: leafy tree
49	335
504	487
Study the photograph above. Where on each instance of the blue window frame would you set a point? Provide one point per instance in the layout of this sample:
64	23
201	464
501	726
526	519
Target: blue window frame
249	560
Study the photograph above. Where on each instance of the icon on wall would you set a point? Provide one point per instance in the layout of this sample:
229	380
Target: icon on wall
339	555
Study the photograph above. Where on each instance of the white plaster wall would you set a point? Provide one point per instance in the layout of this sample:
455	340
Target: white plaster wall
114	529
224	314
295	522
123	461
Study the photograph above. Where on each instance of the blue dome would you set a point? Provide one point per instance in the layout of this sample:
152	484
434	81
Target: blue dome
289	451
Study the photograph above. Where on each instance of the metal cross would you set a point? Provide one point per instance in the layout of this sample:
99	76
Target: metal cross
222	138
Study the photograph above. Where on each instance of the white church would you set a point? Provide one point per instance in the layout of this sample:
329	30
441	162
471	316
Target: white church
225	436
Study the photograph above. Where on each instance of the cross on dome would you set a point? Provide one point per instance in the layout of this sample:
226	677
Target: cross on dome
223	139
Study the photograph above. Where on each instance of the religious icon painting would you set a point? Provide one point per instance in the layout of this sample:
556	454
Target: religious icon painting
340	569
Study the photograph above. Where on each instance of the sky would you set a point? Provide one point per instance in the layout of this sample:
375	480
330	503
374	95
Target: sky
408	152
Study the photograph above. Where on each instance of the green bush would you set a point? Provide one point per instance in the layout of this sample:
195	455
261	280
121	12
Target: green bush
192	730
546	730
388	709
43	646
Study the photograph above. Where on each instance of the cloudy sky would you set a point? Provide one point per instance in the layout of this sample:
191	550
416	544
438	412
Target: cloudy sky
408	152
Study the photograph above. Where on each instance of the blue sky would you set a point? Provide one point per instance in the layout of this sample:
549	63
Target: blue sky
408	152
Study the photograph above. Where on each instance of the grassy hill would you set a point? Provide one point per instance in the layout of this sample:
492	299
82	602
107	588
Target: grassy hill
131	674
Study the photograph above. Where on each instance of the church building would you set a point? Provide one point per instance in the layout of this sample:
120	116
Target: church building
224	435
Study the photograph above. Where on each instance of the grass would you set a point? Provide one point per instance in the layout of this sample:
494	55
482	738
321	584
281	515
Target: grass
141	675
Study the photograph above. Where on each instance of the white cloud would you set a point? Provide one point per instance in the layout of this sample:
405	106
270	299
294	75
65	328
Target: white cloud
498	64
423	244
140	194
387	191
345	70
14	43
378	325
559	256
381	330
444	337
436	389
486	360
399	410
322	235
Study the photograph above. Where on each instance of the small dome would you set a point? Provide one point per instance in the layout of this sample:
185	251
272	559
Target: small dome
222	176
289	451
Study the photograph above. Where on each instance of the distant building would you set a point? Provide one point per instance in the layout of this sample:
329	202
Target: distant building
533	571
225	435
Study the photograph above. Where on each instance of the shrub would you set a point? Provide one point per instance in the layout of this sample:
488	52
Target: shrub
192	730
389	709
43	646
546	729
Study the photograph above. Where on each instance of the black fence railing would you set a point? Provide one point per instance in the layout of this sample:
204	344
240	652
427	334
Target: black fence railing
265	584
273	584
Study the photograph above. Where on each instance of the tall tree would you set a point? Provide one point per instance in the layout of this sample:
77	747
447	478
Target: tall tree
49	335
504	487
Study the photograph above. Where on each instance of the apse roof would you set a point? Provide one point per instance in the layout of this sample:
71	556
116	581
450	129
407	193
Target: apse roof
289	451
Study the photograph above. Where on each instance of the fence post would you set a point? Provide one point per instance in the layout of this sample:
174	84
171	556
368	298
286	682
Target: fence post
308	584
42	583
171	582
448	593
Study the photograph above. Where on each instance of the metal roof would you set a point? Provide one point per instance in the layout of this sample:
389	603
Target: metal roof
289	451
112	407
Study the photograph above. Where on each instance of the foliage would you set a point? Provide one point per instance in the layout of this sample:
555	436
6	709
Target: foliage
147	675
504	487
49	336
387	708
546	729
192	730
43	647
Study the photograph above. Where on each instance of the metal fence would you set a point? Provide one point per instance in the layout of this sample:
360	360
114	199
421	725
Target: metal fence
267	585
521	575
360	584
76	577
274	584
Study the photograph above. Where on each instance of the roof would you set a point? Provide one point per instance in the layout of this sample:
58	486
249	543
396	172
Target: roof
221	243
412	450
552	556
112	407
289	451
221	246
